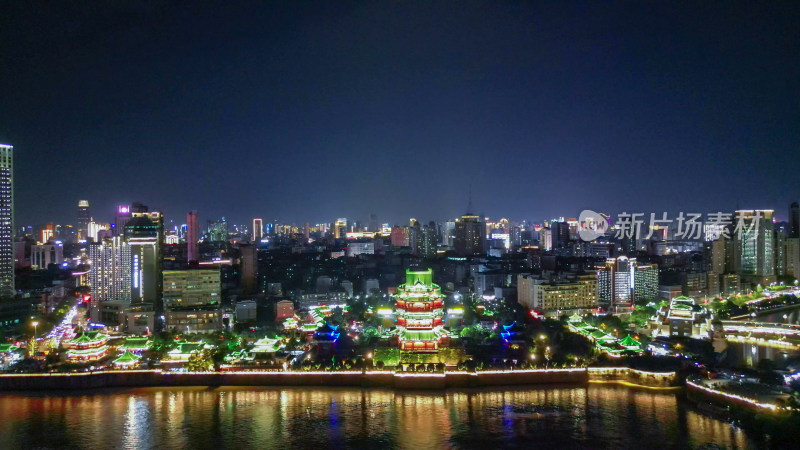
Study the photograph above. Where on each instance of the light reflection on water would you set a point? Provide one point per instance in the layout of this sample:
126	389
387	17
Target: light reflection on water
597	416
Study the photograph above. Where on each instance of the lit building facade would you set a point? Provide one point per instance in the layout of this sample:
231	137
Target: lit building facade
191	236
419	309
110	274
186	288
470	236
6	221
754	246
84	217
258	230
543	297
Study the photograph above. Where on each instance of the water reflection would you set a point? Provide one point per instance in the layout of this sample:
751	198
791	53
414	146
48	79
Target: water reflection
596	416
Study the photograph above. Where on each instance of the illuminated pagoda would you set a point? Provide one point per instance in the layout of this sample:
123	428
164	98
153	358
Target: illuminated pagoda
326	337
135	344
87	346
420	313
127	360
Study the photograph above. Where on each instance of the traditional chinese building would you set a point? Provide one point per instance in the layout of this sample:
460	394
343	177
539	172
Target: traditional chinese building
420	313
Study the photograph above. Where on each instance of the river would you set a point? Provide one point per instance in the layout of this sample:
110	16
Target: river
598	416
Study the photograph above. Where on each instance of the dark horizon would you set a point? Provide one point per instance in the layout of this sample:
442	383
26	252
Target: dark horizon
306	112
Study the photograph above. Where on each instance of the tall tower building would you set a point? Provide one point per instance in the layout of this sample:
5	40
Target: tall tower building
754	246
420	312
794	220
143	237
470	237
121	217
249	268
110	275
191	236
84	217
258	229
6	221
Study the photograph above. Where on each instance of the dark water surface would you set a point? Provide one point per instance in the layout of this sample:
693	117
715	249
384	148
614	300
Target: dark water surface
600	416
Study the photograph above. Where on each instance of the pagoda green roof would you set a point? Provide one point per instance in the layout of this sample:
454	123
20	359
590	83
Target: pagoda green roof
7	348
575	318
628	341
136	342
127	358
87	338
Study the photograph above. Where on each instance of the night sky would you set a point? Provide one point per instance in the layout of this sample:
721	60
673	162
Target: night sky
303	111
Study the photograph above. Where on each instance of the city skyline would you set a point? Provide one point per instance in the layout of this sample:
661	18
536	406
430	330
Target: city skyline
315	111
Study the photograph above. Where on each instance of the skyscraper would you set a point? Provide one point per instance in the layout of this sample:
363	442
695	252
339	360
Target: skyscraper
754	246
258	229
794	220
83	219
142	235
191	236
470	237
121	217
6	220
110	274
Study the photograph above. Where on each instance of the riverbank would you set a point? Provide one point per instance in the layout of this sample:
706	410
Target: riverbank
388	379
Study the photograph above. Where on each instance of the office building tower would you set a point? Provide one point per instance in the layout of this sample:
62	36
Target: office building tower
470	236
189	288
249	268
754	246
621	282
121	217
143	236
427	248
718	258
6	221
110	275
340	228
218	230
191	236
373	223
560	234
84	217
258	230
794	220
399	236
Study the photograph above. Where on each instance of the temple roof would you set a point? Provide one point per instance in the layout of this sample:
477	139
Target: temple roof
127	358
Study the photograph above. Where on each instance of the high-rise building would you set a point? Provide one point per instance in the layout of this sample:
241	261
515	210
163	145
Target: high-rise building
560	233
622	281
258	230
110	276
84	217
420	312
399	236
143	237
218	230
470	236
794	220
793	257
373	223
6	221
340	228
427	248
718	248
121	217
754	246
249	268
188	288
191	236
